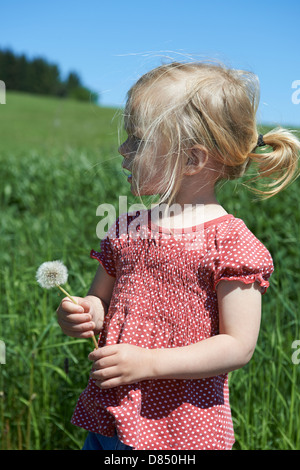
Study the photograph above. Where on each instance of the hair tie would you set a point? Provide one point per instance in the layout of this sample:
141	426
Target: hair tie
260	141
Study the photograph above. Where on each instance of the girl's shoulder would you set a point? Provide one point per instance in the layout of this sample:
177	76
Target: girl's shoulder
234	226
234	240
233	229
226	227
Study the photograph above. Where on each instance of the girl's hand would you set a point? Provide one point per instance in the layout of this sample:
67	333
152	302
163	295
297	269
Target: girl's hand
120	364
82	320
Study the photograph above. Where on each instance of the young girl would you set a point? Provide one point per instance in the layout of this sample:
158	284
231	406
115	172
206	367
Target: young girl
172	325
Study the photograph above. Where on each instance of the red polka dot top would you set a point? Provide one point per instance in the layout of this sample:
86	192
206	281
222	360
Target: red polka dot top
165	297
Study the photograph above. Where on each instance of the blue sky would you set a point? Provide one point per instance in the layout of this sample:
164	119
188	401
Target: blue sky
111	43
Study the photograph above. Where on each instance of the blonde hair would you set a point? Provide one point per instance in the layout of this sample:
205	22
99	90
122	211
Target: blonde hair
207	104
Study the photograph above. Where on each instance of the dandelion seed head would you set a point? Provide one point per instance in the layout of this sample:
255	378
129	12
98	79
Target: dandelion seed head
51	274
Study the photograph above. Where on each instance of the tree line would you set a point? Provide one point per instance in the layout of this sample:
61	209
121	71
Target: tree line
41	77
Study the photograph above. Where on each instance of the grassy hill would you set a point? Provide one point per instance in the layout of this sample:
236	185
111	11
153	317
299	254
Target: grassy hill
42	123
58	162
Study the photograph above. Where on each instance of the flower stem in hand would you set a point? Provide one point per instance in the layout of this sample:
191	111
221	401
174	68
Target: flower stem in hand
74	301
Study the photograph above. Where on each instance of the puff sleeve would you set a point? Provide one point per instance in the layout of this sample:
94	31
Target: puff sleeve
242	257
106	256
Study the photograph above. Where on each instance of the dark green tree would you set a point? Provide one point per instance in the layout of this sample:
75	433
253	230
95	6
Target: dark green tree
38	76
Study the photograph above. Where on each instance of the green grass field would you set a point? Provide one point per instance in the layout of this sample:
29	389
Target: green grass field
59	161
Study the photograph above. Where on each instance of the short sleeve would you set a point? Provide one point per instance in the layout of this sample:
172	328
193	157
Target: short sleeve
242	257
106	254
105	257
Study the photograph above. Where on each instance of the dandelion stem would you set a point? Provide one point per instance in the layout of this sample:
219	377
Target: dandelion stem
95	342
67	294
74	301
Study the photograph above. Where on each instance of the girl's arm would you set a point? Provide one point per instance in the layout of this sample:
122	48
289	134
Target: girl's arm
102	286
86	319
239	322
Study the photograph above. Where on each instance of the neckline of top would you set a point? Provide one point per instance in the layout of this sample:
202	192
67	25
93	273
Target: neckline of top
194	228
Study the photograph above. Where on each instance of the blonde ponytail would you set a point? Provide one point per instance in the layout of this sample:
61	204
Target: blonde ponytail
280	165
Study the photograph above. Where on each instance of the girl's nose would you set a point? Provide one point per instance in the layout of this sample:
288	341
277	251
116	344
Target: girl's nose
122	149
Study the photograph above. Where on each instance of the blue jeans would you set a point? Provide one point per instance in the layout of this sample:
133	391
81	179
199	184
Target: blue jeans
96	441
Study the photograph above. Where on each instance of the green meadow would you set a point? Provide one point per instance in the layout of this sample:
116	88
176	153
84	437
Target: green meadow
58	162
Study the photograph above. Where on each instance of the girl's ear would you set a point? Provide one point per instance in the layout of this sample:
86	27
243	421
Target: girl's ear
197	158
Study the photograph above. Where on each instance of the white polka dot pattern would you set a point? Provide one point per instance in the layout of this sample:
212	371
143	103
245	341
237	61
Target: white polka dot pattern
165	297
